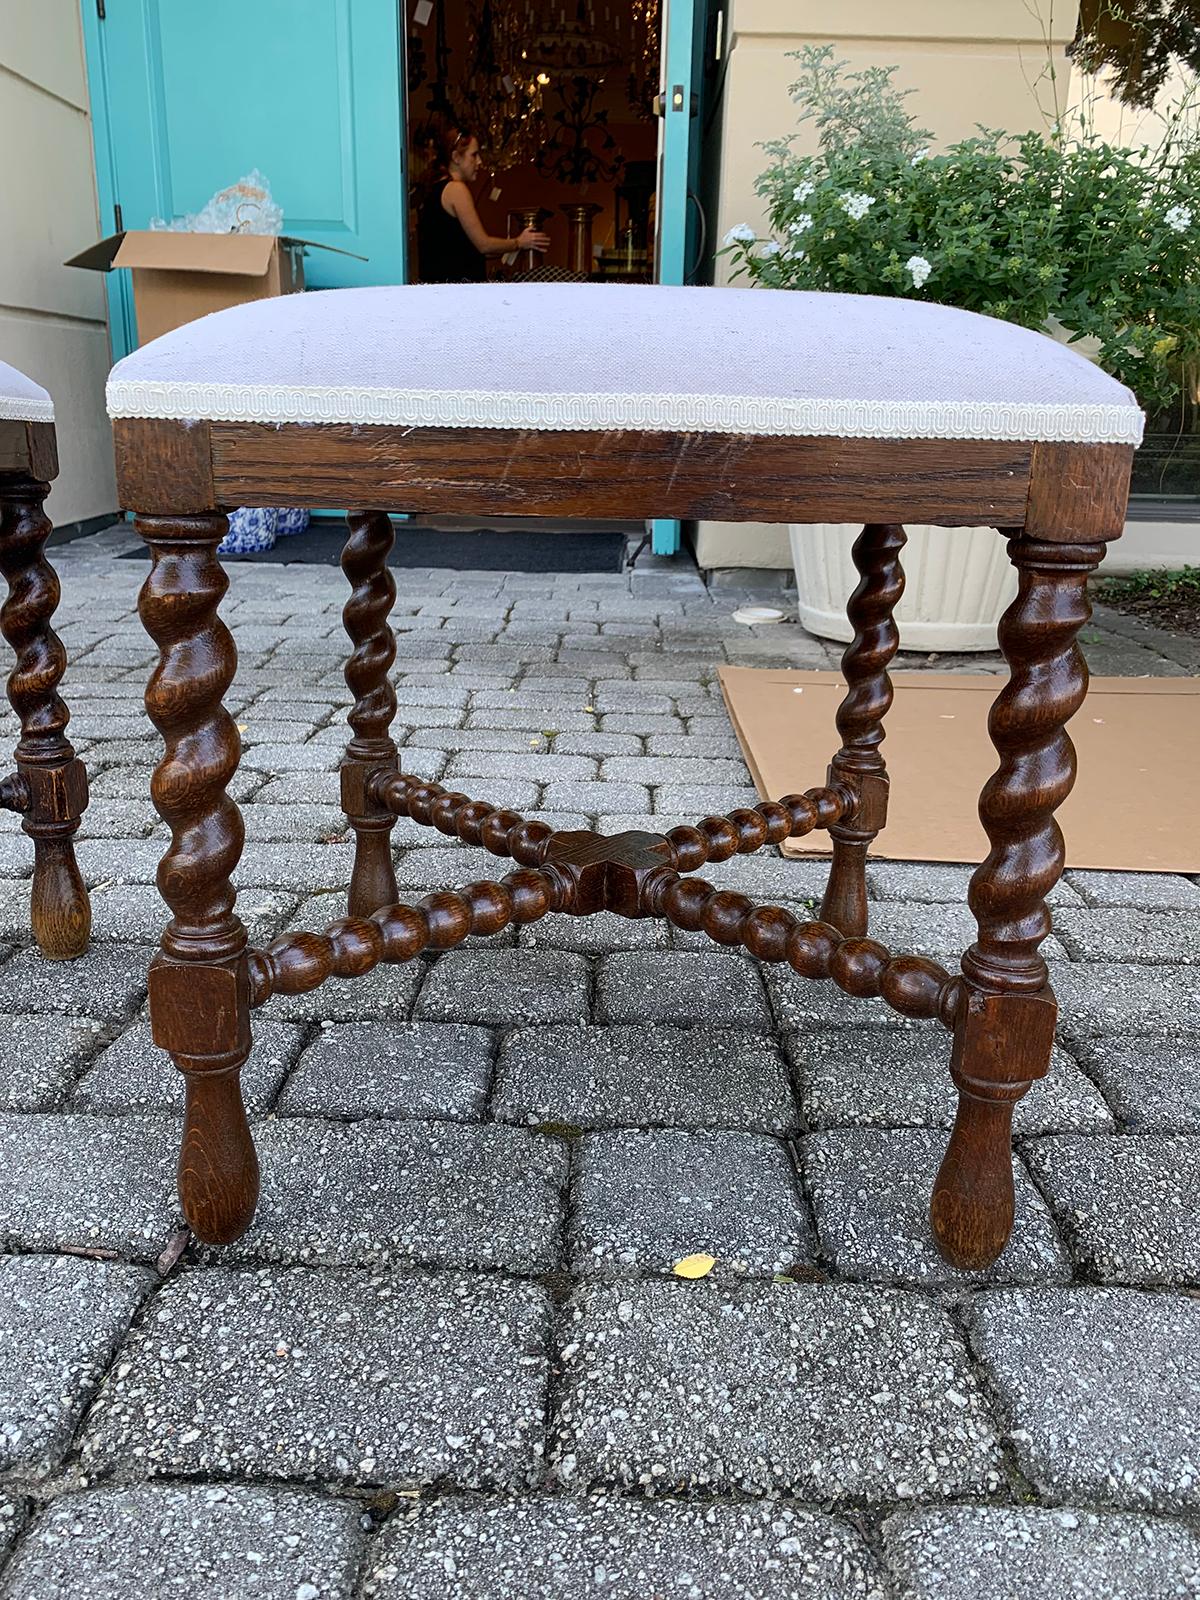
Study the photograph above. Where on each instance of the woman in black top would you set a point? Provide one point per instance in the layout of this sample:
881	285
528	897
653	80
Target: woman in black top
452	241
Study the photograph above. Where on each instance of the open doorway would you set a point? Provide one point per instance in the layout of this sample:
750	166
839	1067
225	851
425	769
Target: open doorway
561	95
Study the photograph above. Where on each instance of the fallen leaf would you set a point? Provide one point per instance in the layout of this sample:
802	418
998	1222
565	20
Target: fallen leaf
697	1266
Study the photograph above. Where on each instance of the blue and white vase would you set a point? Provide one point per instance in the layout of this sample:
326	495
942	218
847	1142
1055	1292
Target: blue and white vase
251	529
289	520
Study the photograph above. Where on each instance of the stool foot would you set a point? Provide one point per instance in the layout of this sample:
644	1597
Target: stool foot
370	750
59	909
218	1167
52	779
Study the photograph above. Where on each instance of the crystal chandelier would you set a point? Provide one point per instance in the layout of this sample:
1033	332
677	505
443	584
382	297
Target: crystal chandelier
522	47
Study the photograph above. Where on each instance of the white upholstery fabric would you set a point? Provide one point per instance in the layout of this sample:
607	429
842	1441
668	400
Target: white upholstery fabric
596	356
22	400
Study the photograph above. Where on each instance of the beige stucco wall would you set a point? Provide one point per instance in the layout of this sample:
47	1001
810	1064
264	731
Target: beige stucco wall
969	61
53	322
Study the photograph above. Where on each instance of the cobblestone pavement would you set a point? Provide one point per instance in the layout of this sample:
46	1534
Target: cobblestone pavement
450	1358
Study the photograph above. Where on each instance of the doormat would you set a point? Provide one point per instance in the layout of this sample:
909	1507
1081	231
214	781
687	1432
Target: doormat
1132	809
482	550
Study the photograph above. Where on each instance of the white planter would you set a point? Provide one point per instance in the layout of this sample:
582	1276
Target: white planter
958	584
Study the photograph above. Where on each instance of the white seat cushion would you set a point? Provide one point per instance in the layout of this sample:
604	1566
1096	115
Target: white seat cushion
606	356
22	400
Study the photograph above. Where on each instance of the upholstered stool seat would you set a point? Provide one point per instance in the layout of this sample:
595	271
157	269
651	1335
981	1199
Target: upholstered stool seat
49	787
603	401
596	356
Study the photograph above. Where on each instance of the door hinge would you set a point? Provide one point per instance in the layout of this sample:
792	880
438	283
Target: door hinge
100	11
118	219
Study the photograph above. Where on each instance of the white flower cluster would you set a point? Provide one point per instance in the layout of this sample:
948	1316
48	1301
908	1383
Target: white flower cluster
856	206
1179	218
740	233
921	155
802	191
771	248
802	223
920	269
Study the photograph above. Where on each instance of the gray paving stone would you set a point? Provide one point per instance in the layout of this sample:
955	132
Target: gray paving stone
643	1077
335	1376
1131	934
597	744
505	988
618	1549
681	987
701	799
433	866
674	769
1151	1084
435	1194
640	1202
16	853
642	723
1148	891
769	876
40	1058
899	1077
942	881
597	799
1103	998
12	1519
115	819
61	1318
297	867
119	860
1099	1391
205	1540
133	1074
826	1393
372	1069
126	1202
1089	1183
107	983
481	764
130	911
1029	1553
596	935
870	1189
296	823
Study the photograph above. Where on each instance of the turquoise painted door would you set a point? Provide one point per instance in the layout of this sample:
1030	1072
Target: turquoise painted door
188	97
678	167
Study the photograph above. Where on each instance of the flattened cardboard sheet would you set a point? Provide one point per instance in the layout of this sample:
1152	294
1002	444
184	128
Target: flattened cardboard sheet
1135	805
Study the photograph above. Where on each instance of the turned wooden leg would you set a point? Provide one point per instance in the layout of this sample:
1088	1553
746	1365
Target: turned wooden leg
370	750
860	722
50	789
1006	1013
199	988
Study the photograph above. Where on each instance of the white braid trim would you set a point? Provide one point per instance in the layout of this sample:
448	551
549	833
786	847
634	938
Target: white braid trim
24	408
662	413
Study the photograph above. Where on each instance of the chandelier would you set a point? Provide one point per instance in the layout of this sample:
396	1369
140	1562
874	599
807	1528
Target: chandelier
521	48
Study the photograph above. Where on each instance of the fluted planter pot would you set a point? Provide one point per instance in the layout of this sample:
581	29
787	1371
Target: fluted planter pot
958	583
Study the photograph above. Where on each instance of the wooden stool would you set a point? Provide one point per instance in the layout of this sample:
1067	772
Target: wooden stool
601	401
49	787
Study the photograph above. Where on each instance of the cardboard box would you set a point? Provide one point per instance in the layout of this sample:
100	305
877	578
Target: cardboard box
178	277
1132	808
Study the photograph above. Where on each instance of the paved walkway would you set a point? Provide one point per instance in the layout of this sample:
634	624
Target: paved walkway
450	1358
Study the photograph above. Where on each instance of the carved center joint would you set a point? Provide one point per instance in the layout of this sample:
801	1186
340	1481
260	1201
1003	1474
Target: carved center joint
609	873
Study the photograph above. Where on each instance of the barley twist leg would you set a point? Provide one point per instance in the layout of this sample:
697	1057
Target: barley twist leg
51	780
1006	1012
199	985
860	722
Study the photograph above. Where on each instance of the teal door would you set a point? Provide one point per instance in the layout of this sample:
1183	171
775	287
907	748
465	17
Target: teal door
190	95
679	246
